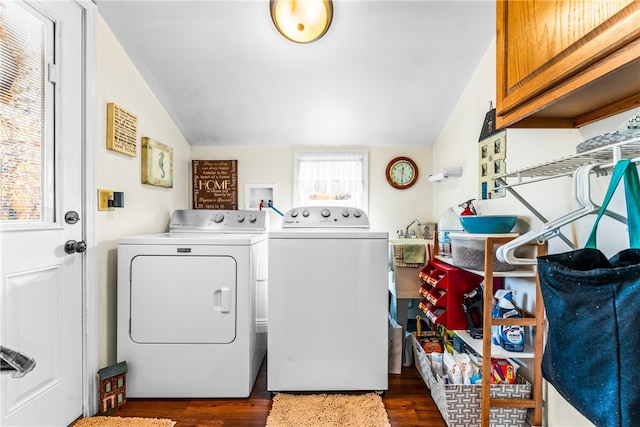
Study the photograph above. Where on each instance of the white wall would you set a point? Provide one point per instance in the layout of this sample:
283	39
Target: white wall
457	145
147	208
389	209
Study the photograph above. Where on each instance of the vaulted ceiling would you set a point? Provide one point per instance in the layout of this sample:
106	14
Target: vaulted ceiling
388	72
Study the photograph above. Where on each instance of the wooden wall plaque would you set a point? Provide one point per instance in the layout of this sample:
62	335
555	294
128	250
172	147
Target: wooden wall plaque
122	130
157	163
215	184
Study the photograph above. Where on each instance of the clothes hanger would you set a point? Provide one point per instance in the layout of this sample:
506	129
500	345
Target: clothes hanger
582	194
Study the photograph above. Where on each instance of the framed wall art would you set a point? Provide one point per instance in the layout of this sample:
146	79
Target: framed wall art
122	130
157	163
492	154
215	184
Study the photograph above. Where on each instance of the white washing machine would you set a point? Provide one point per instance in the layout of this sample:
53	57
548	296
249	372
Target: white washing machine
192	305
328	302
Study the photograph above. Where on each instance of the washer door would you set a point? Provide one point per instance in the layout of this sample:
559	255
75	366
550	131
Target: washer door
183	299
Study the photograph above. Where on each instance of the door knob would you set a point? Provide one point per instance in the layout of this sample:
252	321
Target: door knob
71	246
71	217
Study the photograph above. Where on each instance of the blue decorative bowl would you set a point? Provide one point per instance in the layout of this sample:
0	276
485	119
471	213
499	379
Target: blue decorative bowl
488	224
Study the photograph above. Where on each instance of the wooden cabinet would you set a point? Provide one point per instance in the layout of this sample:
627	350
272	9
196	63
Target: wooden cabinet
566	63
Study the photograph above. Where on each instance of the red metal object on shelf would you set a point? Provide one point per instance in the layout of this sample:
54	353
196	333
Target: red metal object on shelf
443	288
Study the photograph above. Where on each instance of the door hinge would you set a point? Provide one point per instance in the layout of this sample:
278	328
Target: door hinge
52	73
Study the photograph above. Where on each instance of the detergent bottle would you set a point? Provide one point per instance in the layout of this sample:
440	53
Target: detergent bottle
509	337
449	222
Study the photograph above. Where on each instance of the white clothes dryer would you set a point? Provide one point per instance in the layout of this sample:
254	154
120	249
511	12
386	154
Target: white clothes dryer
328	302
192	305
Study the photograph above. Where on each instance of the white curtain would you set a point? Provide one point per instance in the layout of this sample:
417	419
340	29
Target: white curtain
331	173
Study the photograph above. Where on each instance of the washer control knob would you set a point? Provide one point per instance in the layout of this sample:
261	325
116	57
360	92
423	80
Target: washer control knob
357	213
326	213
252	218
345	213
240	218
294	214
217	218
305	213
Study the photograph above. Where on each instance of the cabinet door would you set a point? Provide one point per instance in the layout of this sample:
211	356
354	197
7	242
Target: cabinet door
547	50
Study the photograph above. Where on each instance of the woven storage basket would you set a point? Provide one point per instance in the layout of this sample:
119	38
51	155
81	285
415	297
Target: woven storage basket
460	404
422	362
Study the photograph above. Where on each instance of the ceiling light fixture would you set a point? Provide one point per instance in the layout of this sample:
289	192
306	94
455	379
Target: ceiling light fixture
302	21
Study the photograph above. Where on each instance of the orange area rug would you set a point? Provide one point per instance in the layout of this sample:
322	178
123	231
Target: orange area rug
328	410
123	422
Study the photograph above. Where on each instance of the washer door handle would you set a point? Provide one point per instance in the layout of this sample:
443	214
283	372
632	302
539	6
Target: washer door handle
222	300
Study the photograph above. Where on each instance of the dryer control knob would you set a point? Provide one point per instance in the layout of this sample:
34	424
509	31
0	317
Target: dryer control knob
240	218
252	218
294	214
326	213
357	214
305	213
345	213
217	218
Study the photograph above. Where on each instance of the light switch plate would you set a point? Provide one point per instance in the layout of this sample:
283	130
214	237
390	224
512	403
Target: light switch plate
103	200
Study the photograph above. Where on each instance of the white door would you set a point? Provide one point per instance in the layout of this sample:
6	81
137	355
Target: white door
41	312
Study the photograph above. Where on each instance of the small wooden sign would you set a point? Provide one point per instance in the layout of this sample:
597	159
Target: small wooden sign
157	163
122	130
215	184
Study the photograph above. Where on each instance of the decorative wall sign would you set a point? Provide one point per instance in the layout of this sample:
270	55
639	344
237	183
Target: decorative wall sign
215	184
492	153
122	130
157	163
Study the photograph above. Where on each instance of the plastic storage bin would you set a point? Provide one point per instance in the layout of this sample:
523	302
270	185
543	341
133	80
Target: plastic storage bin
468	251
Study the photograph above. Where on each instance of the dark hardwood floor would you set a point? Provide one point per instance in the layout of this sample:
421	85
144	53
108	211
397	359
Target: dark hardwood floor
408	403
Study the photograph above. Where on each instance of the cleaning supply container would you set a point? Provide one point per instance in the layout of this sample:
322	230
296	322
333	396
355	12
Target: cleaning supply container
449	222
509	337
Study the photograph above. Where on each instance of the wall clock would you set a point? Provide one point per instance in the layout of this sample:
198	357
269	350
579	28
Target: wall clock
402	172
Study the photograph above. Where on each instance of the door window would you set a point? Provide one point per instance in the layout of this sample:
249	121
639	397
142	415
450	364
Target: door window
26	111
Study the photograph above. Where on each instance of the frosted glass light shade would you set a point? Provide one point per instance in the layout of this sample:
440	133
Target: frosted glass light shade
302	21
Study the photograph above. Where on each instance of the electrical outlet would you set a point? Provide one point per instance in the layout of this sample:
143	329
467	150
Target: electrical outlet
103	200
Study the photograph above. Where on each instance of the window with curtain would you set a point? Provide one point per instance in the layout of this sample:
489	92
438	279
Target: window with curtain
331	179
